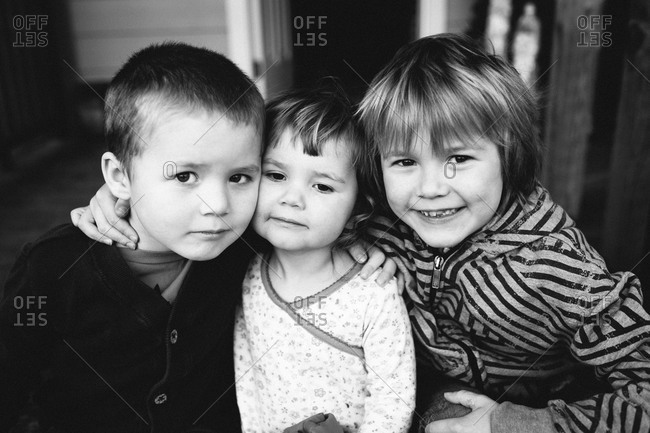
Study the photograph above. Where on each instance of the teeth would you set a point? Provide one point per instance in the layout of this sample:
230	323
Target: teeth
439	214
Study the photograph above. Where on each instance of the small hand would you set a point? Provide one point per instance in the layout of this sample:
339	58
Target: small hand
101	220
374	259
478	420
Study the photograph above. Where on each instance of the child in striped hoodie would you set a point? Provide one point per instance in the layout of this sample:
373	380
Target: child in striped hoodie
509	297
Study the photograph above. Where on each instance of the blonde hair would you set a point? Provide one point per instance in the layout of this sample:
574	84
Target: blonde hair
444	88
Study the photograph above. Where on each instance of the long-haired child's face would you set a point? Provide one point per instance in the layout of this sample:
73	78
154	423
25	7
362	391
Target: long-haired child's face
444	196
304	201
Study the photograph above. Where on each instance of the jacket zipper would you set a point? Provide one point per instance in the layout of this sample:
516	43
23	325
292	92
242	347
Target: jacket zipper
438	263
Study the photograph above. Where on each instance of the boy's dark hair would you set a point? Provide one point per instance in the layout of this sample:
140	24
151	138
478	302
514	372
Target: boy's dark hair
446	87
174	75
317	116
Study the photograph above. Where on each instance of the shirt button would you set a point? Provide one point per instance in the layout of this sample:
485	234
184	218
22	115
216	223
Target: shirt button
173	336
160	399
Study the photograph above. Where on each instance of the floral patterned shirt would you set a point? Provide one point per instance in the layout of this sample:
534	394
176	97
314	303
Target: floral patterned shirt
359	364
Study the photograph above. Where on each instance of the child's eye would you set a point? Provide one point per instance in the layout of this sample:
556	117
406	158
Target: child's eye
275	176
185	176
240	178
404	162
323	188
459	159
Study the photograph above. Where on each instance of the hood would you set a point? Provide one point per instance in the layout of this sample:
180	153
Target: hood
522	224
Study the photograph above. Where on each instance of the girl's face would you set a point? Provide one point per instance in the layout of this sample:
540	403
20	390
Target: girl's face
304	201
444	197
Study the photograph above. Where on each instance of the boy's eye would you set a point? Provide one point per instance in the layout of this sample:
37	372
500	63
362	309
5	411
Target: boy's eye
323	188
185	176
240	178
459	159
404	162
275	176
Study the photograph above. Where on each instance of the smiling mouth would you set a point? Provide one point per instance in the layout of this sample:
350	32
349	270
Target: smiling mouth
439	213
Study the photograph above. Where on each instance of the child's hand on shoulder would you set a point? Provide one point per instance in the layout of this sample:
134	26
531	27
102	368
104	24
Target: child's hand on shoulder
373	259
478	420
104	219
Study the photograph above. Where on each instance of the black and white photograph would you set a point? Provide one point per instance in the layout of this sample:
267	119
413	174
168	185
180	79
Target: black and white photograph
324	216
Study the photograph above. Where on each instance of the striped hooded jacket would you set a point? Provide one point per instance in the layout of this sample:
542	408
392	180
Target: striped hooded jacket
526	311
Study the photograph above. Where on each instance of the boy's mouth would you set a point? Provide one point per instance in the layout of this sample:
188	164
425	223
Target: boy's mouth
439	213
210	232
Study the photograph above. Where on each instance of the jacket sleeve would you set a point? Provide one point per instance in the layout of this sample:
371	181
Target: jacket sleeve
600	318
388	234
24	338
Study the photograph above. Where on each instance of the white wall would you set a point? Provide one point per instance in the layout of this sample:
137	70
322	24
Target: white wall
440	16
106	32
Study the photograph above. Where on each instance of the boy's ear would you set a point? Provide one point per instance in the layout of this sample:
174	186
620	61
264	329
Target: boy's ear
115	176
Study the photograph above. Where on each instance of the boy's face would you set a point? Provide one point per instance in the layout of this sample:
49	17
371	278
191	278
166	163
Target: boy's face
444	198
305	201
194	186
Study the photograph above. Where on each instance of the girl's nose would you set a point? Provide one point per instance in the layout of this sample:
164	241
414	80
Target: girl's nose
293	196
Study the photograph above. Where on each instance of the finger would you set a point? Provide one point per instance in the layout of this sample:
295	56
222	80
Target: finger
113	210
107	228
387	272
358	252
441	426
375	260
122	208
400	283
468	399
75	214
86	224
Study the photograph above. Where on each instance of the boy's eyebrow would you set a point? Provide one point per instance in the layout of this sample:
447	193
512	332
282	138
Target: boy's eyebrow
252	168
282	166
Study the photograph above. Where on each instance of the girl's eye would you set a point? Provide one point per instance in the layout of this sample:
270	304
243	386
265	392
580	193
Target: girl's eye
275	176
459	159
185	176
323	188
240	178
404	162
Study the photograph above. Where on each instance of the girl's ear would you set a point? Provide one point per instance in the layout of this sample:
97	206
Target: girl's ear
115	176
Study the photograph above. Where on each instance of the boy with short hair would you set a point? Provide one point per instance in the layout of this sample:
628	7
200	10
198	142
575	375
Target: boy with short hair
108	352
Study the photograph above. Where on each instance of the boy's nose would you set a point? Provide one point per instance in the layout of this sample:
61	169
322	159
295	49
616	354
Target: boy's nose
435	181
214	202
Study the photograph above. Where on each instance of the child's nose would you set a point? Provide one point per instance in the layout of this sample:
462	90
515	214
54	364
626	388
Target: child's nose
293	196
434	182
214	201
